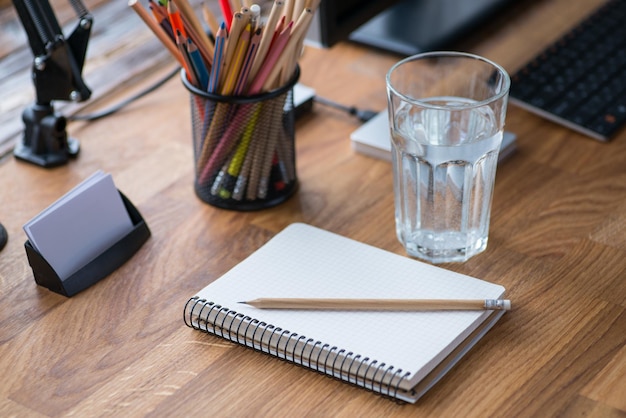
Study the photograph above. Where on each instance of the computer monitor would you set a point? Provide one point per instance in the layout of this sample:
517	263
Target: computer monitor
405	27
335	20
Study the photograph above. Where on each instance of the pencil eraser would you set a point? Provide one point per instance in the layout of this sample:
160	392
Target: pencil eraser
255	9
506	305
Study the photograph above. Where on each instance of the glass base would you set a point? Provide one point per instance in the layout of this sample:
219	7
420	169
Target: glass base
445	255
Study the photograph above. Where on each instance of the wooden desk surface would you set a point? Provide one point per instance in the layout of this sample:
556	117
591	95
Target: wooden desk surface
557	243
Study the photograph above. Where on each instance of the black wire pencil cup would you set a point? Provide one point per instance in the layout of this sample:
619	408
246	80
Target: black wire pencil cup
244	149
240	79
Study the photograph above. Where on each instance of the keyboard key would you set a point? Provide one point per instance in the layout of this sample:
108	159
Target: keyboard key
606	124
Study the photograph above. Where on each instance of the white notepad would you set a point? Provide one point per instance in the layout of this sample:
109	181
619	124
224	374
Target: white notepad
80	225
400	354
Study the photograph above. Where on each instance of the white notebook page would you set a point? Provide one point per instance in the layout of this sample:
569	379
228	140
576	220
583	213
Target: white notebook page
304	261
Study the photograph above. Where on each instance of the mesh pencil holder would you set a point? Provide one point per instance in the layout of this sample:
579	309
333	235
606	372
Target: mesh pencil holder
244	150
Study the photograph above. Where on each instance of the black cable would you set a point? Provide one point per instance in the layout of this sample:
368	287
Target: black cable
362	114
124	103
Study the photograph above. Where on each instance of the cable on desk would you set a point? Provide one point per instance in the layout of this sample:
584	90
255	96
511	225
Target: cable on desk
126	102
361	114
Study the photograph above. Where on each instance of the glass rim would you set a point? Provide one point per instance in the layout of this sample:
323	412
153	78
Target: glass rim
450	54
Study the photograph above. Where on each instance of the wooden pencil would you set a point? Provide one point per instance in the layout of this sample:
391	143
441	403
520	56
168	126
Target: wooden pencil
195	29
266	38
210	19
157	30
276	49
241	184
288	11
298	7
236	62
237	26
380	304
275	117
260	147
287	54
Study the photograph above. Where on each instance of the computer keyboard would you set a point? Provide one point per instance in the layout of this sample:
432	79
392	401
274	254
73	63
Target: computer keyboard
580	80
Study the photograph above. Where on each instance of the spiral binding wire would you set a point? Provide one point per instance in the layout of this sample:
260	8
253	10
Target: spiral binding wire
231	325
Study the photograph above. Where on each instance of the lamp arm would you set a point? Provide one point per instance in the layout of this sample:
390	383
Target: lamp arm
58	62
57	74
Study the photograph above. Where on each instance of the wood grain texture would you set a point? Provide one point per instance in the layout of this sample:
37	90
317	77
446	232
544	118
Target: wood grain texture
120	348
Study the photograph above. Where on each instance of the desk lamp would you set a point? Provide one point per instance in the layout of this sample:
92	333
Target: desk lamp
57	67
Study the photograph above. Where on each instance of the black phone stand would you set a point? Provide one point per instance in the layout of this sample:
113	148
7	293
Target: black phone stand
97	269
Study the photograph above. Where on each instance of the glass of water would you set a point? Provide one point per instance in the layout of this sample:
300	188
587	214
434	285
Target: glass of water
446	114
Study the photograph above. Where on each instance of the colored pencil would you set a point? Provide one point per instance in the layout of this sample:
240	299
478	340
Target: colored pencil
157	30
198	65
236	63
283	63
194	29
244	73
192	76
175	19
268	33
227	12
241	151
220	45
210	19
234	168
270	60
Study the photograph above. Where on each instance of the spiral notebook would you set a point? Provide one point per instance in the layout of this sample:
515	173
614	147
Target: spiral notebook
396	354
